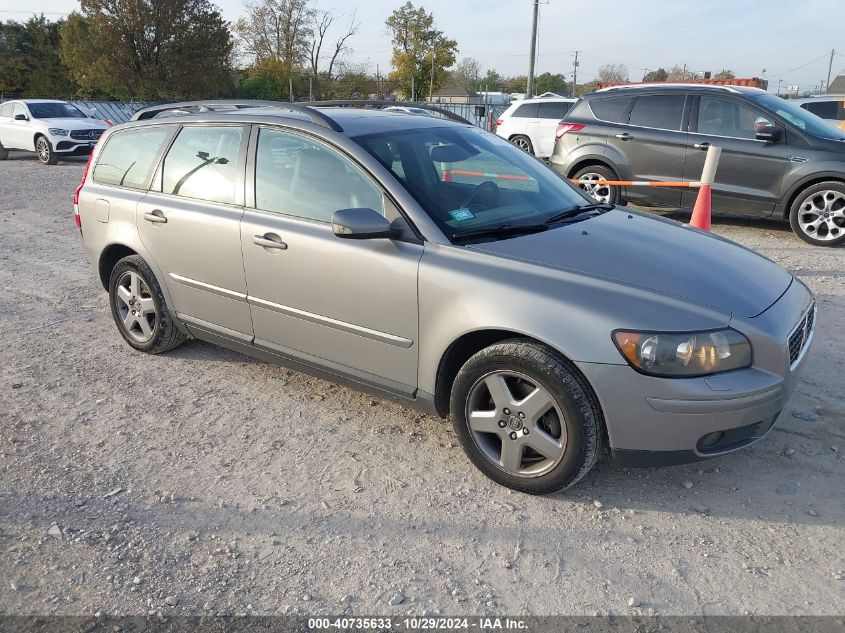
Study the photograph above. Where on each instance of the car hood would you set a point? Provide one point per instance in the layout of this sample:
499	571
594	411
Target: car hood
656	254
74	123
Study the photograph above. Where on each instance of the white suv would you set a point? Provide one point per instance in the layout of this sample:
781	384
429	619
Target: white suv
530	124
51	129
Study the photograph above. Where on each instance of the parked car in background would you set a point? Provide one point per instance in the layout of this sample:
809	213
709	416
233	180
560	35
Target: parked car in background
51	129
777	159
831	108
530	124
547	326
410	110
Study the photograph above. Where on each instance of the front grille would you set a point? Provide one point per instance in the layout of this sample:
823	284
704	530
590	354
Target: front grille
86	135
801	335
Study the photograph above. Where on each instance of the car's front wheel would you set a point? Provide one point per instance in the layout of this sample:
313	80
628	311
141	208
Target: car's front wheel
44	150
818	214
139	309
525	417
522	142
589	179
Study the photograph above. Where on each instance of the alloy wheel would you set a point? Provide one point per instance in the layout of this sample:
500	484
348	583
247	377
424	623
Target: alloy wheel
822	215
42	148
516	423
601	193
135	307
522	143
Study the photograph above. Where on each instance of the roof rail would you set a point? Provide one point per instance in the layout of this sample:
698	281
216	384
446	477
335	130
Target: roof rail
661	84
214	105
363	103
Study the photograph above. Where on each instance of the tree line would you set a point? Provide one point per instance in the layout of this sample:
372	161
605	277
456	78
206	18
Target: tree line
184	49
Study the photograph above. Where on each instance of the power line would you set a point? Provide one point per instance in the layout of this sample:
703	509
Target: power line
786	72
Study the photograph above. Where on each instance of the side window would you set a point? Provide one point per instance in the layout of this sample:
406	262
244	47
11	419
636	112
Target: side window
610	110
202	163
297	176
527	110
566	106
553	110
663	112
724	117
20	109
6	109
823	109
129	157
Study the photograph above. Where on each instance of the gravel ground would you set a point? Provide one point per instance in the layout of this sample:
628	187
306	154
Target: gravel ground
204	481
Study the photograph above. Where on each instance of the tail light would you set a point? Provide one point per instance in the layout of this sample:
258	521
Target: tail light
76	216
564	128
499	122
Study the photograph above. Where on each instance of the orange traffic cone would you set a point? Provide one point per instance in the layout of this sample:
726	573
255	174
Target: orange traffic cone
701	212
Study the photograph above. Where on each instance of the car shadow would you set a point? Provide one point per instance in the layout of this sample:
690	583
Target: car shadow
18	156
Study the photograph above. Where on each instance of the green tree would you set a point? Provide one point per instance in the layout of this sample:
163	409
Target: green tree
417	45
13	68
29	59
547	82
725	74
656	75
148	49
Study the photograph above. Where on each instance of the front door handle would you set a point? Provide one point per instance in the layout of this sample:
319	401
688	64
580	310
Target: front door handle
625	136
155	216
269	240
702	146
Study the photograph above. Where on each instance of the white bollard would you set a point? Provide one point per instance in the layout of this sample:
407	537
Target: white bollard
711	162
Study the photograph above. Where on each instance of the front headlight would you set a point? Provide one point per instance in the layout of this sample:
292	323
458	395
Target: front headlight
686	354
57	131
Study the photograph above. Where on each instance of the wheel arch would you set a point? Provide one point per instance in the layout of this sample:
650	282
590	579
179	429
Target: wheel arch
112	254
805	184
587	161
468	344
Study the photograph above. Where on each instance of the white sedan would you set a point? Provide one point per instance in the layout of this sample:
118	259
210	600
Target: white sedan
51	129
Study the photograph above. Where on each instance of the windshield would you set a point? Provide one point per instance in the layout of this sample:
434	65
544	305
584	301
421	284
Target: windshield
798	116
465	178
55	111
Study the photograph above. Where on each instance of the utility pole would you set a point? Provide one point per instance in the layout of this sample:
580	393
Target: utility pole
378	83
431	85
830	67
780	81
290	88
413	93
530	91
575	74
310	88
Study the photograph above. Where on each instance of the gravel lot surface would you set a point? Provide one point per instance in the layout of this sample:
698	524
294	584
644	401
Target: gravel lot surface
204	481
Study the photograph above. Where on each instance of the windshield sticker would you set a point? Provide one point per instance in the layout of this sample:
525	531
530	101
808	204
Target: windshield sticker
462	215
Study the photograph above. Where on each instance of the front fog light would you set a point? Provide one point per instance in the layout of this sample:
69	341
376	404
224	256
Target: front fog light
675	354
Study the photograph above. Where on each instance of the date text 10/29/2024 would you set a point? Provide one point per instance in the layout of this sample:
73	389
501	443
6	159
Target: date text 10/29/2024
417	624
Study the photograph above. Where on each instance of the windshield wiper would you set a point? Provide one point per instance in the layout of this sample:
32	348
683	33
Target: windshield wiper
575	211
500	230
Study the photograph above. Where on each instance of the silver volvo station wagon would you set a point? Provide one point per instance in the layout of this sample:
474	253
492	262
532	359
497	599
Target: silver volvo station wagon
435	264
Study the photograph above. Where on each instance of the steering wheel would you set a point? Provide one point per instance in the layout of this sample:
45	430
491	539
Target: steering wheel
487	187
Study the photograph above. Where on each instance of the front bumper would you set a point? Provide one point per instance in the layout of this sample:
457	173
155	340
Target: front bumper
664	421
74	148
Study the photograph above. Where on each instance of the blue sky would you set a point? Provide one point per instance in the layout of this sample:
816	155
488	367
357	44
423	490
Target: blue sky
743	35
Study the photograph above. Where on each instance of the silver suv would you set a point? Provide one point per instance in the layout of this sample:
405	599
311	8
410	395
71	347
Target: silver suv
437	265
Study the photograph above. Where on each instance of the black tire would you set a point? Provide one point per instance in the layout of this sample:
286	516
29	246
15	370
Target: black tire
44	150
4	153
832	231
522	142
614	193
571	393
165	334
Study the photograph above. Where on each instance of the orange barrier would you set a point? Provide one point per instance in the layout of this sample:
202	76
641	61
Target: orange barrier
637	183
448	173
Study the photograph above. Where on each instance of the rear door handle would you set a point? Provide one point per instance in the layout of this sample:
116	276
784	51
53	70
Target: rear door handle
625	136
156	216
269	240
702	146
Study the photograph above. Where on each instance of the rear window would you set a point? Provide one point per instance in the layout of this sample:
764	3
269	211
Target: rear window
610	110
663	112
202	163
129	157
528	110
6	109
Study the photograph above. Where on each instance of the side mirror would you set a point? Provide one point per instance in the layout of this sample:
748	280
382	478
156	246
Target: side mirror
769	133
360	224
21	117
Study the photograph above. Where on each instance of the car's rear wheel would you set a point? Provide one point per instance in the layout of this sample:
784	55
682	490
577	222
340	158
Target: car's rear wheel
525	417
588	180
818	214
139	309
522	142
44	150
4	153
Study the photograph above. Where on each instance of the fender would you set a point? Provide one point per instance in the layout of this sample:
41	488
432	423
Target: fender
808	173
